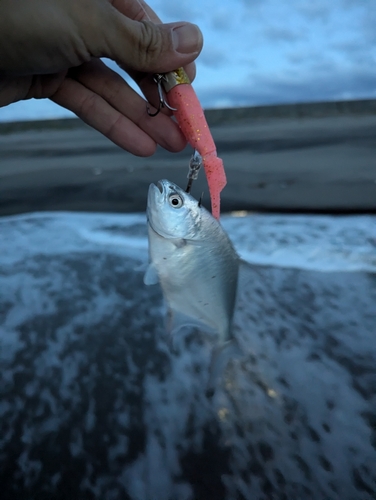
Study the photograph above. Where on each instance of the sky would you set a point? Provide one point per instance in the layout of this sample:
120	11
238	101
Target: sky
259	52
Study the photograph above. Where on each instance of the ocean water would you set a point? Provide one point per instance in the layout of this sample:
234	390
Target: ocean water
95	405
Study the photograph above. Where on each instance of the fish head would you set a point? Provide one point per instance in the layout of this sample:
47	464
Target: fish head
173	213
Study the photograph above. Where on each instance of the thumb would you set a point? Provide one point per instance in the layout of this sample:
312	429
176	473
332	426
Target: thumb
148	47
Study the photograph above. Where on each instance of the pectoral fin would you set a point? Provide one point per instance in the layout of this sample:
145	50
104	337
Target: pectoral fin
151	276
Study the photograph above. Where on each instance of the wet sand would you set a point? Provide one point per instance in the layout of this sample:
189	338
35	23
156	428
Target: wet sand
297	158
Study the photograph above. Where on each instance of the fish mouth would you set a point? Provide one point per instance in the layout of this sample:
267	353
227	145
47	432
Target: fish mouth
155	194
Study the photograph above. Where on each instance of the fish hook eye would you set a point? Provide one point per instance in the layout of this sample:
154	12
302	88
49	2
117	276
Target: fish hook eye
175	200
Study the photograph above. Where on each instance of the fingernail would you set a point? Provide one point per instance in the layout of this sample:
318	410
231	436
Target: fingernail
187	38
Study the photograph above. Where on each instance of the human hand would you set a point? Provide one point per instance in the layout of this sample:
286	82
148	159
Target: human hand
51	49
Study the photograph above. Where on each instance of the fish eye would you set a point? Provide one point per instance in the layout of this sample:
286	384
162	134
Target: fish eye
175	200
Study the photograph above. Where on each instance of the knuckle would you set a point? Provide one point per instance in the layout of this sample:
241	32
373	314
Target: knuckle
151	45
88	105
112	127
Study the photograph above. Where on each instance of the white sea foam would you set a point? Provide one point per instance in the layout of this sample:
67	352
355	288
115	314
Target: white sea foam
323	243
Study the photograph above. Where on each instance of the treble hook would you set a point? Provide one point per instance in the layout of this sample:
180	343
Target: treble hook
194	166
158	78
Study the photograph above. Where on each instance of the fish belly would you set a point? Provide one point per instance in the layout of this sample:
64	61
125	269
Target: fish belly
198	284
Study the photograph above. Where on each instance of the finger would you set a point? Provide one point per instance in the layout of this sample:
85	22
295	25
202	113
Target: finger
97	113
145	46
101	80
138	10
13	89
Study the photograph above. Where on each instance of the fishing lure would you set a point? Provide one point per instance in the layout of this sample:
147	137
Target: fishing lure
184	103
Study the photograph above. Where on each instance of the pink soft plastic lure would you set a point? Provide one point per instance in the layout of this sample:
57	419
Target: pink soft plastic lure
192	121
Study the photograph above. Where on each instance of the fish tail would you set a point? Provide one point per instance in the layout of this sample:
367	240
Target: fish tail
220	357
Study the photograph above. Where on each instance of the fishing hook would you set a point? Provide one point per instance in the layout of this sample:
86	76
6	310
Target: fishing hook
194	167
159	78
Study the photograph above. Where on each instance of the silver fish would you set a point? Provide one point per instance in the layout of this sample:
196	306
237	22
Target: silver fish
192	258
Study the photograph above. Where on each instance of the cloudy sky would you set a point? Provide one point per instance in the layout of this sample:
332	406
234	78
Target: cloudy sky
267	52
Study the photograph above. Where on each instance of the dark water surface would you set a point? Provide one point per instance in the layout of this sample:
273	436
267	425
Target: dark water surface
94	405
